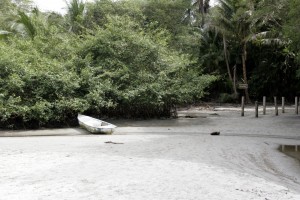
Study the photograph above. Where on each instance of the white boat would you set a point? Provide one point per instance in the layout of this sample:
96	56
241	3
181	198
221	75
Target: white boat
95	125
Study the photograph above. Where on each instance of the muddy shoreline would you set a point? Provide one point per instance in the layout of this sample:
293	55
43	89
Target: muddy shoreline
157	159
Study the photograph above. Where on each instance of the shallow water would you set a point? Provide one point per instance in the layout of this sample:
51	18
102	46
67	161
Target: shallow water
291	150
162	122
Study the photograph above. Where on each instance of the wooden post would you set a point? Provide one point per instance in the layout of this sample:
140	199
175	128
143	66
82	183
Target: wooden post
264	105
243	106
296	148
282	147
296	105
282	102
256	109
276	106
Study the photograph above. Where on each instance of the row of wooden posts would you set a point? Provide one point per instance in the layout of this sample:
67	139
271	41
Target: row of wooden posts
295	148
275	105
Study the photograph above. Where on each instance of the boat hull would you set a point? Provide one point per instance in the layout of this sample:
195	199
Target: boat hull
95	126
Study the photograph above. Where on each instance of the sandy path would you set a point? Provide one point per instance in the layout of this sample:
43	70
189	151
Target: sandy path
172	160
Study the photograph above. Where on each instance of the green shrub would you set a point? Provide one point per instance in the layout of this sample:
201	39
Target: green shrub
120	70
35	89
133	73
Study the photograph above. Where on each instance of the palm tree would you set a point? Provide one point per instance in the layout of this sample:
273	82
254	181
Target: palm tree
203	6
210	53
25	25
197	6
75	14
10	12
223	24
233	23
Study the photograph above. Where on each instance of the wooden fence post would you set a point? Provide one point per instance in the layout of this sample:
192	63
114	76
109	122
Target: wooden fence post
256	109
243	106
276	106
296	105
264	105
282	102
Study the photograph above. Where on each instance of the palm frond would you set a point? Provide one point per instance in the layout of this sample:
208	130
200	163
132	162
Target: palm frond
268	38
27	24
76	13
4	34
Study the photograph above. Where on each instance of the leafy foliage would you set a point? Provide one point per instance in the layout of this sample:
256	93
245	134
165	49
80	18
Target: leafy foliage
35	89
121	67
135	72
291	30
132	58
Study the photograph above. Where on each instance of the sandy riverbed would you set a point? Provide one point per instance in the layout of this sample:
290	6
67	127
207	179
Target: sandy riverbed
159	159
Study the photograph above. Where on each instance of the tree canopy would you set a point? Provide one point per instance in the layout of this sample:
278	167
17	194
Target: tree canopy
142	58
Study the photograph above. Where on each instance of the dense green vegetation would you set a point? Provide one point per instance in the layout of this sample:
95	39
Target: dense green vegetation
141	58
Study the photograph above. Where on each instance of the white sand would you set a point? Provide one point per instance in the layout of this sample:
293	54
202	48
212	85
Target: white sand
177	161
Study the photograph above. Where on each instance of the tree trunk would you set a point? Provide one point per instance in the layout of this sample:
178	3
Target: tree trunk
201	10
244	58
228	68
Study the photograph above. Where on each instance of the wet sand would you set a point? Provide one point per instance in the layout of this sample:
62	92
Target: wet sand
159	159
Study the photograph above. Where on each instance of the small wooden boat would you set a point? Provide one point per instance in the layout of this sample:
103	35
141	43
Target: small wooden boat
95	125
